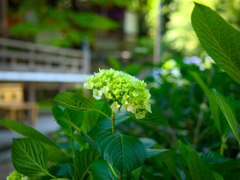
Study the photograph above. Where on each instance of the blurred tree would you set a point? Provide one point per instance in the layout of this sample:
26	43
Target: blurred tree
180	36
60	22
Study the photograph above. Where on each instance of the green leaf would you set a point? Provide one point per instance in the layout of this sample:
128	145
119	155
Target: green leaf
104	125
115	63
83	162
227	168
133	69
227	111
92	118
155	118
147	142
74	101
102	171
126	153
218	38
54	152
162	154
67	114
198	170
212	157
29	157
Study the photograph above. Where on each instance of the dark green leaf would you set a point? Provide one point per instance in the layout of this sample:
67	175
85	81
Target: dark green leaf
219	39
29	157
198	170
162	154
227	111
74	101
102	171
104	125
83	162
92	118
126	153
155	118
212	157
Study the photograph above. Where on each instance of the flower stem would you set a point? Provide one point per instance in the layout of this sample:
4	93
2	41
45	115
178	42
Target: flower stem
113	122
120	176
73	154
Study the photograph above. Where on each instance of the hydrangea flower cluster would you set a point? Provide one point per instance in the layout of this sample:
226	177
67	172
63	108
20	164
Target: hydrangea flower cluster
16	176
127	92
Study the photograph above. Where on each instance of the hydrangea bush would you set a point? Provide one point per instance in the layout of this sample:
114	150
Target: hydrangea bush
96	152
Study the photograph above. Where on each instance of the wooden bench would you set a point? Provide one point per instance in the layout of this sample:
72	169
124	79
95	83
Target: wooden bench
13	105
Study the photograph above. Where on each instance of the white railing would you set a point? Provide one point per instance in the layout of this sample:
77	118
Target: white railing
18	55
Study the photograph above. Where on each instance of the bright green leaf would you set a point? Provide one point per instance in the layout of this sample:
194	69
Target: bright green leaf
115	63
219	39
227	111
29	157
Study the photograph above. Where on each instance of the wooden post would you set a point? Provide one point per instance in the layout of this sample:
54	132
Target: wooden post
3	18
3	26
86	57
31	92
157	39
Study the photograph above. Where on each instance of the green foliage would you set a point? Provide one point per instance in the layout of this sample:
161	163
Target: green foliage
126	153
221	41
84	160
54	152
198	170
155	118
102	171
227	111
29	157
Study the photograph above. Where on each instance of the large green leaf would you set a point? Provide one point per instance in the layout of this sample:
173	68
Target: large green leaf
219	39
126	153
83	162
74	101
102	171
155	118
29	157
54	152
227	111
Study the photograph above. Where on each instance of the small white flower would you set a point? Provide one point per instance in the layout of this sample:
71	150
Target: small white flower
97	94
123	108
115	107
148	108
88	85
129	107
105	90
140	115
